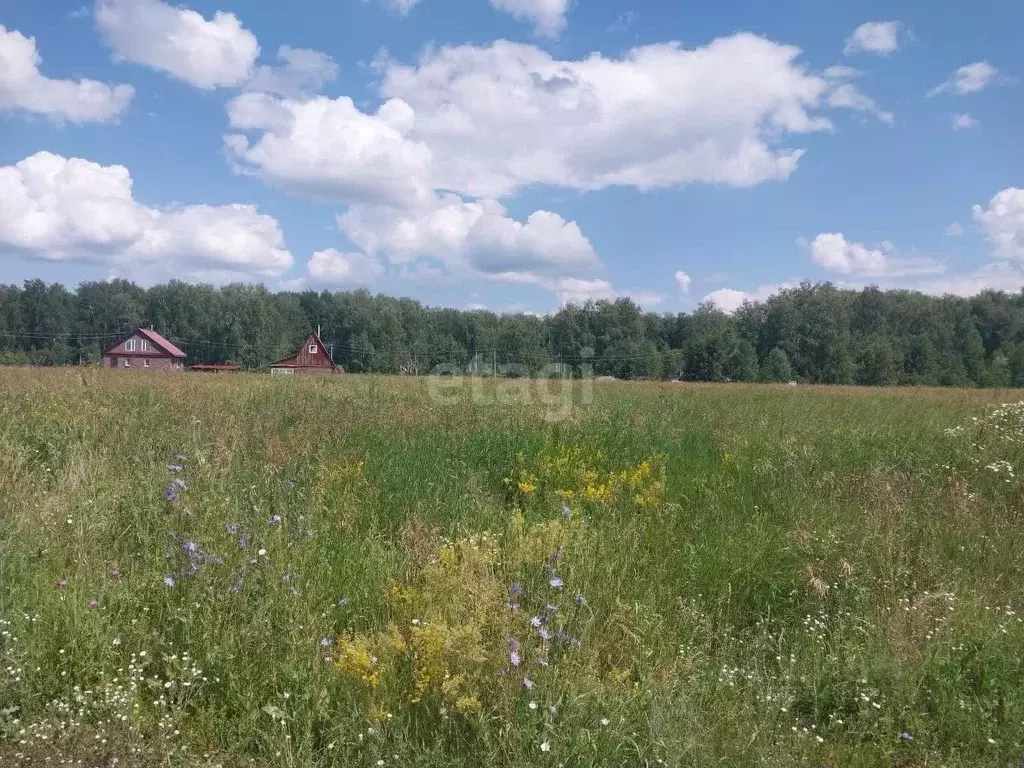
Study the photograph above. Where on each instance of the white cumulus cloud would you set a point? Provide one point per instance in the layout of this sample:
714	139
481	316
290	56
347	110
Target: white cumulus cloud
329	148
834	252
474	239
23	86
508	115
547	16
878	37
299	71
337	268
1002	220
683	281
70	209
206	53
969	78
728	300
954	230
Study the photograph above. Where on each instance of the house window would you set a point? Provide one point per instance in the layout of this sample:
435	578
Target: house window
145	363
145	346
127	363
312	349
129	346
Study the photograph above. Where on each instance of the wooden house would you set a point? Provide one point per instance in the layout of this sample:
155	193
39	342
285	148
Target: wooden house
144	349
311	358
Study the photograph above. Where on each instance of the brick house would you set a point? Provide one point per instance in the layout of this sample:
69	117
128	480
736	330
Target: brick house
311	358
144	349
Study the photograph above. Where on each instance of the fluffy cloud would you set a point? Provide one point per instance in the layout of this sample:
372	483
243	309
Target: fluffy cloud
504	116
337	268
488	121
683	281
69	209
1002	220
878	37
962	121
23	86
328	148
207	53
954	230
547	16
474	238
729	299
834	252
300	71
970	78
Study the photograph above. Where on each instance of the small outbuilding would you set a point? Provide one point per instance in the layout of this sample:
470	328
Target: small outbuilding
311	358
145	349
214	368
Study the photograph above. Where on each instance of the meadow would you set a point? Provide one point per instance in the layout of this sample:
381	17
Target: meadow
356	571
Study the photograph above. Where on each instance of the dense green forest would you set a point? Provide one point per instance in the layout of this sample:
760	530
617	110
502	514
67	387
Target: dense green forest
812	333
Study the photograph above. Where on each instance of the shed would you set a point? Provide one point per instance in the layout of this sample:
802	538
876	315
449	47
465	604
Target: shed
311	358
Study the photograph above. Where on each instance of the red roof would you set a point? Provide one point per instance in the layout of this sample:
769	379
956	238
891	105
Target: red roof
158	341
161	342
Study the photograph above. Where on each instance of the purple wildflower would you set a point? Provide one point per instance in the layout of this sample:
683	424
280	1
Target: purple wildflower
906	736
115	574
536	621
289	484
326	642
581	601
274	520
174	467
514	658
169	582
515	589
62	583
179	483
170	493
566	512
94	603
344	600
232	528
544	633
245	541
527	683
556	582
237	587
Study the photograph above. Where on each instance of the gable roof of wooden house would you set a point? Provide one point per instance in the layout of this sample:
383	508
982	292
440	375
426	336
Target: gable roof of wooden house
312	356
161	346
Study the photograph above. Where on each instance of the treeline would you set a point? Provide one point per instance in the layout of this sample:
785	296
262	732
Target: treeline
812	333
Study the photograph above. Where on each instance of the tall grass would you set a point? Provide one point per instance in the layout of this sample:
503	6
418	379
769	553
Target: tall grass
349	572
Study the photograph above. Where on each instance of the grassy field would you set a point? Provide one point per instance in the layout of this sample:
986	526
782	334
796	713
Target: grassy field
358	571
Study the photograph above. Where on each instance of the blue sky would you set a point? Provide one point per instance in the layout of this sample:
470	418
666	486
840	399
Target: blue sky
515	154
